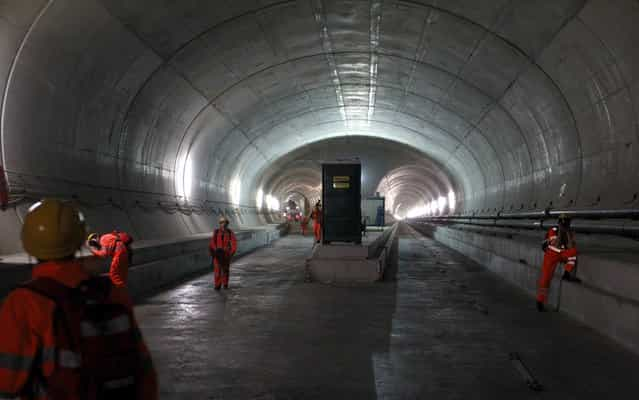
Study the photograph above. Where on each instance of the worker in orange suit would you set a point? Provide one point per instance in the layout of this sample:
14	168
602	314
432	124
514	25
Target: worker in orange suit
116	245
559	247
40	356
317	221
222	247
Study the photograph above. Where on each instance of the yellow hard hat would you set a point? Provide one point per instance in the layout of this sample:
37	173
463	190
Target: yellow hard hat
52	230
93	236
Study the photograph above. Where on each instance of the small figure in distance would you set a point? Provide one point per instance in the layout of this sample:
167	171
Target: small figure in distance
222	248
317	221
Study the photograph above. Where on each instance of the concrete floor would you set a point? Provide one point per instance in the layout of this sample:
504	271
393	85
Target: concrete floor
442	331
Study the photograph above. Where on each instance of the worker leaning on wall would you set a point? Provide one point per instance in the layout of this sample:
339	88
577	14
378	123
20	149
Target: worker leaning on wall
559	246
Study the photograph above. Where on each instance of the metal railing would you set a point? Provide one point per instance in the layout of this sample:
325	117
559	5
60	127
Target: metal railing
550	213
621	222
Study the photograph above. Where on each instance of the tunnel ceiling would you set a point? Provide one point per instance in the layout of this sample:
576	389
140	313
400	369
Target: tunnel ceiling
524	103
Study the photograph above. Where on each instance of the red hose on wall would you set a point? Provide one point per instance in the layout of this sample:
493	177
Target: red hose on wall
4	190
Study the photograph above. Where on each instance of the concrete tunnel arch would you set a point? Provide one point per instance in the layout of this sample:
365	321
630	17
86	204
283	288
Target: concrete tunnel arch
115	115
383	161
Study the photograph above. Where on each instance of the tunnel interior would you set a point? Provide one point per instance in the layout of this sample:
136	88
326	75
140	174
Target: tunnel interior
159	117
406	177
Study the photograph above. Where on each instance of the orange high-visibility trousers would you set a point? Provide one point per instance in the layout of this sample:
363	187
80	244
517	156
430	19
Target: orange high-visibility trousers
221	274
551	259
317	231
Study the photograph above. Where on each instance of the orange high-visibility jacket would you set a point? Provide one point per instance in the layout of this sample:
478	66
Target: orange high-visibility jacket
317	216
552	239
28	329
224	240
112	246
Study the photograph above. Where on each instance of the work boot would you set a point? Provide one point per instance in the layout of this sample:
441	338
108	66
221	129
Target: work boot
540	306
217	287
568	277
226	286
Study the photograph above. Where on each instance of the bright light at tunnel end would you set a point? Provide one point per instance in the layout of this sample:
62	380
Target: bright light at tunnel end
433	207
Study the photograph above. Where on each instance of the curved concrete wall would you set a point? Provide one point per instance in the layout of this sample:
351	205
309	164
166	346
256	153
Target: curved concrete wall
524	104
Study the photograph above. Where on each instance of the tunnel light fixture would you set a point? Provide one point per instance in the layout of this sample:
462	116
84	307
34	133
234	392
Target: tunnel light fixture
441	203
259	199
184	178
434	206
452	201
272	203
235	191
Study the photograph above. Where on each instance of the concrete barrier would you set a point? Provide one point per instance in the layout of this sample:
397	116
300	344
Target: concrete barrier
348	264
156	263
608	298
